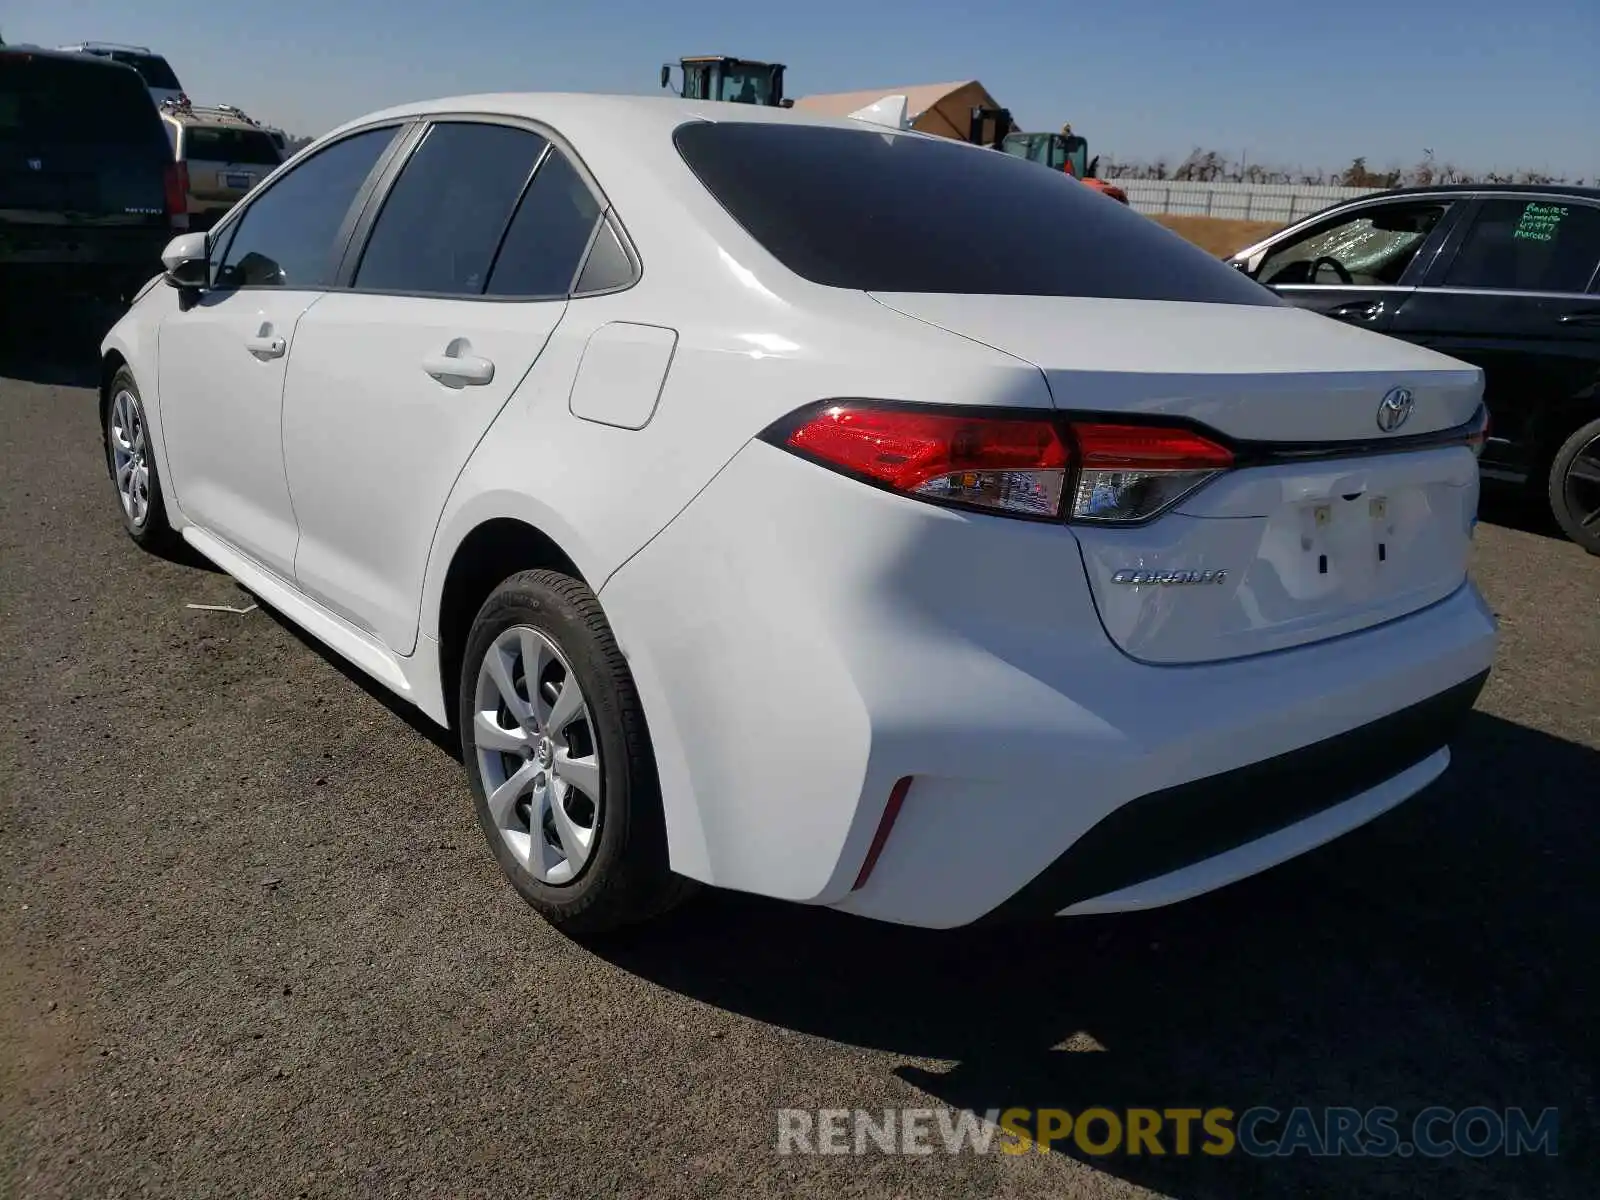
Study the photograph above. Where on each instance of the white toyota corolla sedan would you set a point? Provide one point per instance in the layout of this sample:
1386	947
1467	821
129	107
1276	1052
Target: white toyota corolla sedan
814	509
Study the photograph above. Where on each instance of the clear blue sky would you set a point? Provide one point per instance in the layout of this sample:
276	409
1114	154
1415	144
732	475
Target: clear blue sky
1488	85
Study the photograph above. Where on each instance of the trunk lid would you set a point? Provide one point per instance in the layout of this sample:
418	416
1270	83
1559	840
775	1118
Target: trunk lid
101	182
223	181
1268	373
1266	556
226	162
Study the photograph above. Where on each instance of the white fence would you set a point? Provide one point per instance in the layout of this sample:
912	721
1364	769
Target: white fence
1283	202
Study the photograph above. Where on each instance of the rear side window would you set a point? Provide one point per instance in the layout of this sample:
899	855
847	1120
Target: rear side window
48	101
205	144
1529	246
904	213
608	265
286	236
445	215
548	235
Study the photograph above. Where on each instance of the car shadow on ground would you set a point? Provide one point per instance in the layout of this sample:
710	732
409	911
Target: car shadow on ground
54	341
442	739
1522	508
1441	956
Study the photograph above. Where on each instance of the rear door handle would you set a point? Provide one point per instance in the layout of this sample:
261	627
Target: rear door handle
266	346
1364	310
1589	316
463	370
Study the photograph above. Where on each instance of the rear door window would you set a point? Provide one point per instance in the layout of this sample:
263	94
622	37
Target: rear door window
444	217
895	212
204	144
548	235
1524	245
286	236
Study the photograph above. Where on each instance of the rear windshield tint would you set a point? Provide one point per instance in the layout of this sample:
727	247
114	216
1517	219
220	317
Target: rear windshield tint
902	213
205	144
45	101
152	68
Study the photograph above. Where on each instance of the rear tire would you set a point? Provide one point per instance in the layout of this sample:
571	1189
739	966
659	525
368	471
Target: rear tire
1574	487
131	460
564	782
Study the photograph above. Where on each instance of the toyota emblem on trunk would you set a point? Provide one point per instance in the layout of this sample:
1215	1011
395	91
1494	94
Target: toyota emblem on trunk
36	164
1394	410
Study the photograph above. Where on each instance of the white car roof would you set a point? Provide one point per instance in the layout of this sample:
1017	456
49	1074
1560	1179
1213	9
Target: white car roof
626	143
583	115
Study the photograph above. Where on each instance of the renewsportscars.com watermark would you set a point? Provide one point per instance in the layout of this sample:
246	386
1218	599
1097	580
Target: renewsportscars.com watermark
1260	1132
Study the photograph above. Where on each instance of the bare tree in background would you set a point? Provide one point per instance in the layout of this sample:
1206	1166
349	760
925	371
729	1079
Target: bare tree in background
1212	166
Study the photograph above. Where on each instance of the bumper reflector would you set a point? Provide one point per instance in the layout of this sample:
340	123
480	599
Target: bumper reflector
891	811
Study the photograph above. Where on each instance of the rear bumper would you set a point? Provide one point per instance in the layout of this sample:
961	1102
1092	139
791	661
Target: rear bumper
59	255
802	643
1147	852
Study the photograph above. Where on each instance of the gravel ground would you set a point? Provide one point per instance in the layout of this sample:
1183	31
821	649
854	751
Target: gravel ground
251	944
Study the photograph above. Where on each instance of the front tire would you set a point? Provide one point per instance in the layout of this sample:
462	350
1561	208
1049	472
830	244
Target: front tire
558	757
1574	487
132	462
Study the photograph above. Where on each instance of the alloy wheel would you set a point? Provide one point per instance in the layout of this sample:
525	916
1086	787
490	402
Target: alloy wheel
130	455
1581	487
537	755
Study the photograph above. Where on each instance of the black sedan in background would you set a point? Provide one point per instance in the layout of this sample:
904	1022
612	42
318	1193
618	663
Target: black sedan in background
1505	277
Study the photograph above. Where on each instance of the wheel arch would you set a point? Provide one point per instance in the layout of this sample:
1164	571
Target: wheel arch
498	545
112	361
490	552
1560	419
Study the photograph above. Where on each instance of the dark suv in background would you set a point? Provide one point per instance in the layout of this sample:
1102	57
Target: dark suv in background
89	192
1506	277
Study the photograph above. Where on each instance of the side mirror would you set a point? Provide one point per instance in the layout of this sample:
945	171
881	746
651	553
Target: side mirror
666	74
186	261
786	103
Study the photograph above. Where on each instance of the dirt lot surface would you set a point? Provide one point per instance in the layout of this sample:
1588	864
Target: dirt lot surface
251	944
1217	234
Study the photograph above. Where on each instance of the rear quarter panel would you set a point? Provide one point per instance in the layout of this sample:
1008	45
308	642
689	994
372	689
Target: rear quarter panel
745	355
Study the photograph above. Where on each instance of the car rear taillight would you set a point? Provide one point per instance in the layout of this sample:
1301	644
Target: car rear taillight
1478	430
1006	464
1132	472
1014	464
177	189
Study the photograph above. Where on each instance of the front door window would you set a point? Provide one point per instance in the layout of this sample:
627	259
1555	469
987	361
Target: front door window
1371	248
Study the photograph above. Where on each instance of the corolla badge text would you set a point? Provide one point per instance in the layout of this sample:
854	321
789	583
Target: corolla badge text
1168	578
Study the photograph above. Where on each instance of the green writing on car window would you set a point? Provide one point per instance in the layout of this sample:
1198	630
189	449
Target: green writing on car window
1540	222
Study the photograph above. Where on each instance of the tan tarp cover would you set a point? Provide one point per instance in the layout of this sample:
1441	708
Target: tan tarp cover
941	108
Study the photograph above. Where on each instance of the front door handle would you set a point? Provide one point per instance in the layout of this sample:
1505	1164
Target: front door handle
1360	310
1589	316
266	346
459	370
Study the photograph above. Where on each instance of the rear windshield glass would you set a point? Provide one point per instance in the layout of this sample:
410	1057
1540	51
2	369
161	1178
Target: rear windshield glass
205	144
902	213
152	69
47	101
